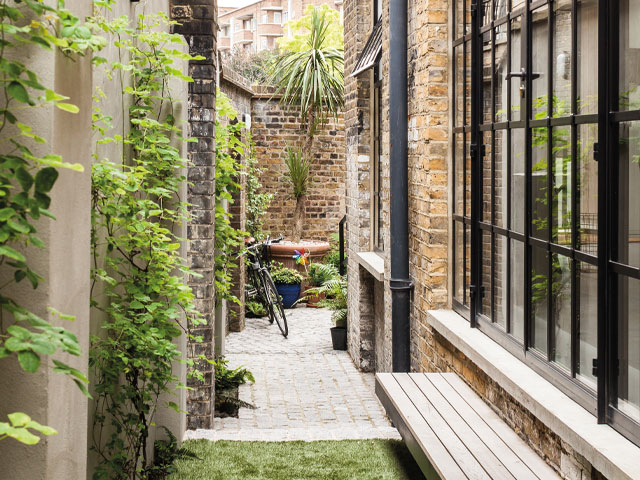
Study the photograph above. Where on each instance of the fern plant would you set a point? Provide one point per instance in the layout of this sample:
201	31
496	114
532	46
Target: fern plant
335	290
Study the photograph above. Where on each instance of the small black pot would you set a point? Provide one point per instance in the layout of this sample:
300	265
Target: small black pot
339	338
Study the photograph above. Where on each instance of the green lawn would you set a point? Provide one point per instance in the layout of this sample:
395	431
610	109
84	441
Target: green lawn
347	459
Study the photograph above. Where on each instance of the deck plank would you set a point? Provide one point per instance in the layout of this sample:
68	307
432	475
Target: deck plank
447	436
479	426
534	462
438	456
490	459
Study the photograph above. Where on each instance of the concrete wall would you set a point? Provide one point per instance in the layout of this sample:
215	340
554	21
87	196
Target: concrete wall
50	398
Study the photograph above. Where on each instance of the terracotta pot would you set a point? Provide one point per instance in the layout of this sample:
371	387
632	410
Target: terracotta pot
314	300
284	251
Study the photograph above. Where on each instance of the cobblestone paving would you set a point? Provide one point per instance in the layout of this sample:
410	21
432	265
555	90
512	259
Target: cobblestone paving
304	389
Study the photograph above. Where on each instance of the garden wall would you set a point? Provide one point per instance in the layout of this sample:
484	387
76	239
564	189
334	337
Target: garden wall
273	128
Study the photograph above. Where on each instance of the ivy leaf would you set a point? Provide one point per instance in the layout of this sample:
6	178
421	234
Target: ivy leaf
19	419
29	361
43	429
6	213
45	179
17	91
24	436
11	253
18	227
24	178
19	332
68	107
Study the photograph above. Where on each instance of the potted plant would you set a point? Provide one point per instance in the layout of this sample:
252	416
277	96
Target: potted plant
287	281
335	291
319	274
227	381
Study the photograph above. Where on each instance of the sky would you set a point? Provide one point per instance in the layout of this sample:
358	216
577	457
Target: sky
234	3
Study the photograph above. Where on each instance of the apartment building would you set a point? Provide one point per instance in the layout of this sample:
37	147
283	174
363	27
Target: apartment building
256	27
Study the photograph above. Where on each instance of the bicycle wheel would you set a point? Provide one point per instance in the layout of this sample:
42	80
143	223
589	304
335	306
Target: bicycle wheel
275	304
258	284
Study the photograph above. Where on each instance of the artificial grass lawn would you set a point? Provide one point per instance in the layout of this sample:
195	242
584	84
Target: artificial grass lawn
345	459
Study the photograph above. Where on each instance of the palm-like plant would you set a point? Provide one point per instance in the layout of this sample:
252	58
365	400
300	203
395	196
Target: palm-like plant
312	79
298	173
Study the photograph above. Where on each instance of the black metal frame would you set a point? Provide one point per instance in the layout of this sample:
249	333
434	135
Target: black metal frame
602	399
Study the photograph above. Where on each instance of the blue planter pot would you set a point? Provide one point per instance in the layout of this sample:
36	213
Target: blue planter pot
289	294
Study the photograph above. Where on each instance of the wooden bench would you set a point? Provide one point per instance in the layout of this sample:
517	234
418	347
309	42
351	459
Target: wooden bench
452	433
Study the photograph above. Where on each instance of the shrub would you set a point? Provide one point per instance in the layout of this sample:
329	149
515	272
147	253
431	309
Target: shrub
254	309
286	276
320	273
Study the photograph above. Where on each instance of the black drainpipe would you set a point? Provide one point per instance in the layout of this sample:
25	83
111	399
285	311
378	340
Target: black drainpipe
400	283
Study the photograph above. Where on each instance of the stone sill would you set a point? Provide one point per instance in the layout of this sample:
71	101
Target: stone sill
373	263
608	451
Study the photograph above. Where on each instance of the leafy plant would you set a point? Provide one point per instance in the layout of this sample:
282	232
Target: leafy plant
320	273
257	199
335	291
333	257
26	181
301	27
254	66
136	252
298	175
227	381
255	309
285	276
166	452
310	80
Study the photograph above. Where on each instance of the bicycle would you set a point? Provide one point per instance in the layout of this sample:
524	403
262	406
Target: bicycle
263	287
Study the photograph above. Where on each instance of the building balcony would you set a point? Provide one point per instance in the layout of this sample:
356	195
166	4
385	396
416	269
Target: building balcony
270	29
243	36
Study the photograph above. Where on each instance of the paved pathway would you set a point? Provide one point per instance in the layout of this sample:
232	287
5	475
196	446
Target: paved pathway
304	389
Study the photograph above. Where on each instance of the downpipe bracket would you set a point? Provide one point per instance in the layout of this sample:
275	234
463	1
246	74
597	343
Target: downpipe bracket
401	284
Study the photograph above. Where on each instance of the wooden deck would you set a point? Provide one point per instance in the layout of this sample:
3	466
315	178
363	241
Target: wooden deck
452	433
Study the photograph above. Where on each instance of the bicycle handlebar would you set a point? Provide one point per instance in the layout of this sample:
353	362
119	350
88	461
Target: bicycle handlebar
267	242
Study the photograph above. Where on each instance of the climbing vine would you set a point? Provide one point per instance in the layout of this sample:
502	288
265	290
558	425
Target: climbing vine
230	148
138	266
26	181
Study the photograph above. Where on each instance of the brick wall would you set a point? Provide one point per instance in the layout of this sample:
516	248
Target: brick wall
274	127
198	25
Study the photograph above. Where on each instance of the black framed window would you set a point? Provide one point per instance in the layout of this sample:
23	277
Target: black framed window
546	191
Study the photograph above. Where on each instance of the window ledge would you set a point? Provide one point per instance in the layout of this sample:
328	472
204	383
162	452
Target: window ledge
608	451
373	263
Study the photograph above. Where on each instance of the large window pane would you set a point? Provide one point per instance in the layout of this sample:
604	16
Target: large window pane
459	18
459	86
500	281
516	65
486	177
487	76
501	69
458	278
587	189
561	309
561	192
517	289
467	85
561	58
467	264
485	304
517	180
629	98
500	8
539	183
587	56
539	298
587	285
629	194
629	346
486	12
539	60
467	176
459	159
501	179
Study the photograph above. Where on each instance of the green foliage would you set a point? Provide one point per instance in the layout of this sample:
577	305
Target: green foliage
229	150
26	181
320	273
255	309
257	200
333	257
298	171
312	77
137	261
301	27
227	381
166	452
20	426
335	290
284	275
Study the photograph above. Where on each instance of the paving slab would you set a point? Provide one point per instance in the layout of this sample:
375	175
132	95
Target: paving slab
304	389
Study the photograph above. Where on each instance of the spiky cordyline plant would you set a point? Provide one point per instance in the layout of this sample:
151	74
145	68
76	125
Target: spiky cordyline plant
298	174
312	79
